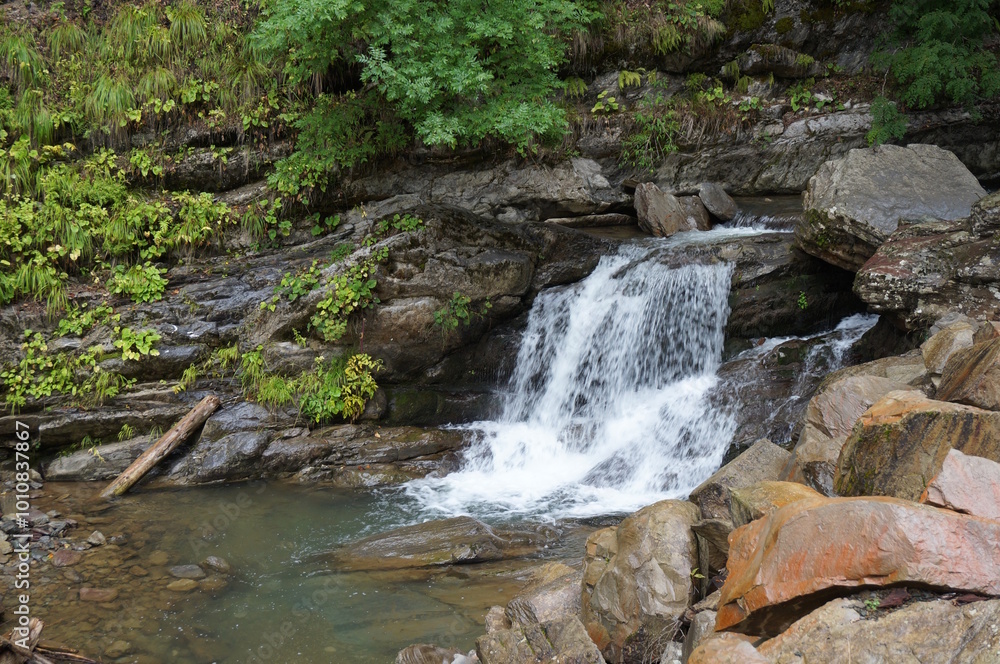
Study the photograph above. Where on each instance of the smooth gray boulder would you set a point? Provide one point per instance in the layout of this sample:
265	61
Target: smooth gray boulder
855	203
717	201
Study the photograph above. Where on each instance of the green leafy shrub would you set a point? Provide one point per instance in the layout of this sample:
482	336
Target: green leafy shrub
338	389
942	56
141	283
349	291
457	72
888	123
134	345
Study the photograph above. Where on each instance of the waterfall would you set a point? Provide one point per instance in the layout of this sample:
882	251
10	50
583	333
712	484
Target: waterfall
608	407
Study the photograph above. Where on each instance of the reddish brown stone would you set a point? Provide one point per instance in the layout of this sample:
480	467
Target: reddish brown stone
98	594
66	558
967	484
791	561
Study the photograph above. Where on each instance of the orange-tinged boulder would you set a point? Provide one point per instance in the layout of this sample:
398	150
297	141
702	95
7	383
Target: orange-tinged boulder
966	484
757	500
900	443
793	560
726	648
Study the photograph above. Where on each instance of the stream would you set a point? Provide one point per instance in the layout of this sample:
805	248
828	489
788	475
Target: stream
610	408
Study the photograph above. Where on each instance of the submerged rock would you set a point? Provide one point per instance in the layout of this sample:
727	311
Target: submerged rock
854	204
459	540
793	559
901	442
425	653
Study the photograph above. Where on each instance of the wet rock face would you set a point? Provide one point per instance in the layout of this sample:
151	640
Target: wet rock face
660	213
639	575
854	204
827	545
900	443
455	252
928	270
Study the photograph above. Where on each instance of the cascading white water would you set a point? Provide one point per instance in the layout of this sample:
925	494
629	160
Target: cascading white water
608	410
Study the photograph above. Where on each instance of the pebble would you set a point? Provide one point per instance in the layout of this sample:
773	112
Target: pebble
98	594
118	649
135	570
220	565
72	575
5	548
187	572
66	557
213	584
158	558
182	585
97	538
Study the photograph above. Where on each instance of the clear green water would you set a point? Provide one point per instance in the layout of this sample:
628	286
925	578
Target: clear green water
278	604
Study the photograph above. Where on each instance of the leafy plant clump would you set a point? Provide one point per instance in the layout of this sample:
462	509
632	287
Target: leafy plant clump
942	54
455	73
333	389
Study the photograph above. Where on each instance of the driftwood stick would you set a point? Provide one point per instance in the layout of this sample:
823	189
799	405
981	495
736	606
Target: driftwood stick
164	446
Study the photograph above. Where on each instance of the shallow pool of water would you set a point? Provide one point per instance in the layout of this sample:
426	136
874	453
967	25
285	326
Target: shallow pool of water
278	604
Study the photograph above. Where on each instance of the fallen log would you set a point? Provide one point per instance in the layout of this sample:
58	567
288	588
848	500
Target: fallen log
164	446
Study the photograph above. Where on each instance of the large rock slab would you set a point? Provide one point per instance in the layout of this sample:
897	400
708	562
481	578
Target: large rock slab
660	213
639	574
854	204
562	641
926	271
829	418
934	631
942	345
966	484
789	562
901	442
459	540
972	376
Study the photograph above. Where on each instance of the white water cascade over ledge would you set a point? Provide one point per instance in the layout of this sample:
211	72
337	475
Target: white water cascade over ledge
608	409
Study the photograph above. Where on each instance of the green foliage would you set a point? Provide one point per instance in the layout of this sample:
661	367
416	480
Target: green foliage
301	283
188	379
78	320
802	302
136	345
629	79
456	311
605	104
873	603
41	373
126	432
575	87
457	72
942	54
141	283
338	389
652	135
335	389
347	292
664	26
888	123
